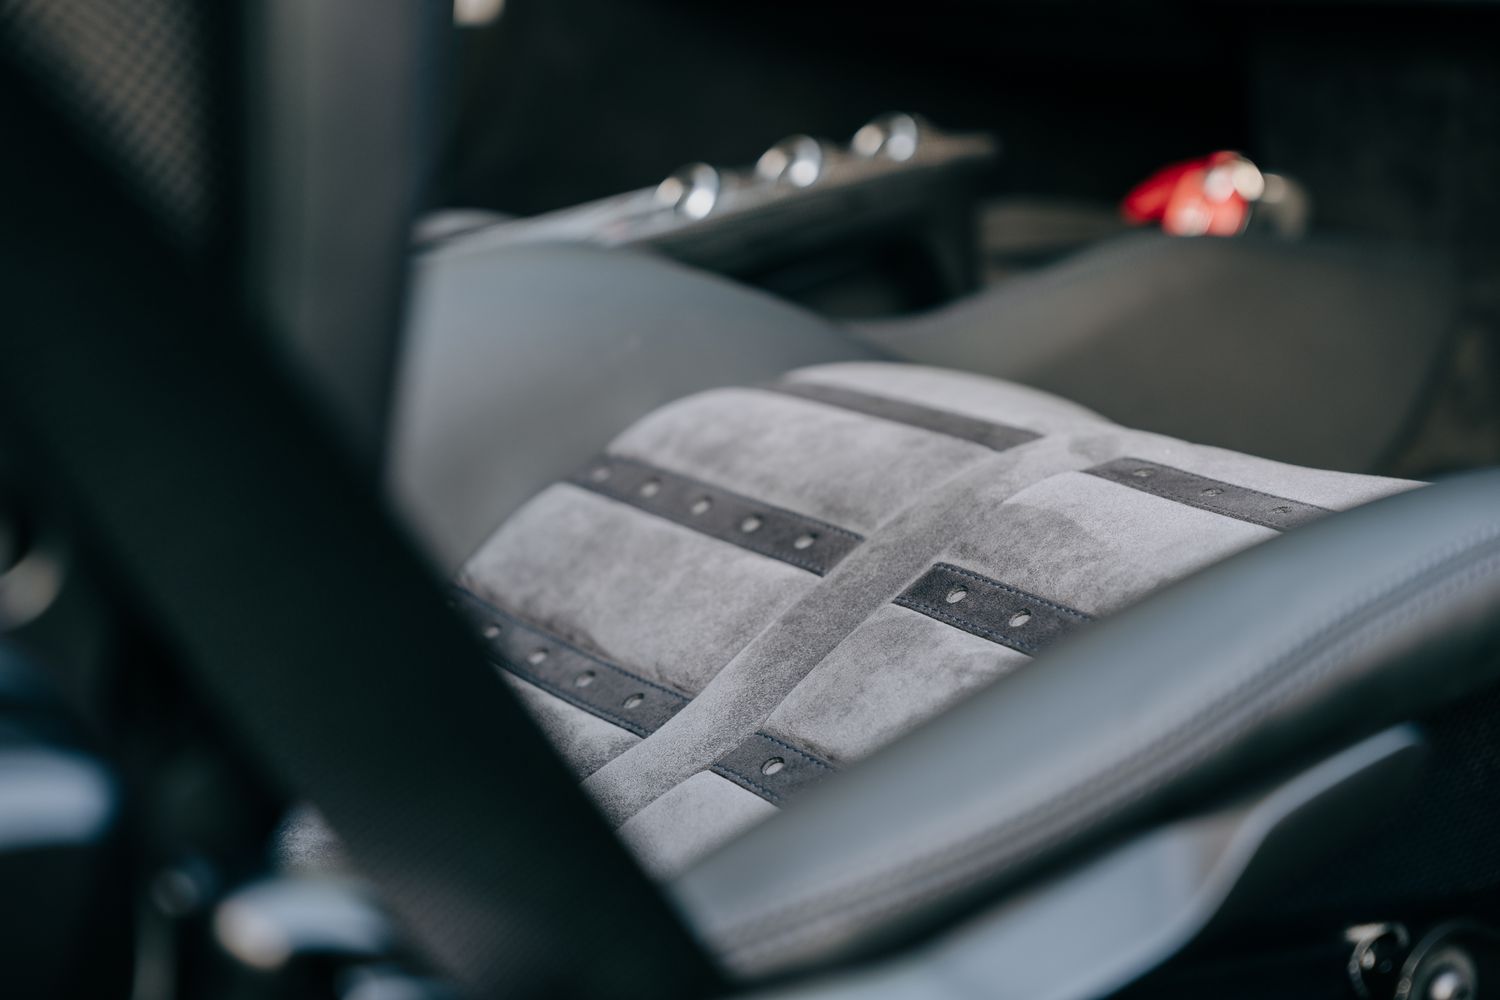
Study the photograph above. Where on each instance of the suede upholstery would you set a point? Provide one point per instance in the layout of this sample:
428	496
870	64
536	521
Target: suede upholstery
830	665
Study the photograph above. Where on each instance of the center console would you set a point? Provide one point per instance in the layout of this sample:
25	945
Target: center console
807	211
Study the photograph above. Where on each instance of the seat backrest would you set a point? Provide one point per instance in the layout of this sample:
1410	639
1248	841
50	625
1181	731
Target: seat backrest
281	145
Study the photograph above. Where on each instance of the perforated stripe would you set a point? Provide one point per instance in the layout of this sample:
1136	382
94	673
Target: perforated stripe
793	538
1238	502
997	436
772	768
589	682
990	609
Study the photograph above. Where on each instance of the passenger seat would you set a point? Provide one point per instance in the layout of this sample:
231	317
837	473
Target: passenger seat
752	588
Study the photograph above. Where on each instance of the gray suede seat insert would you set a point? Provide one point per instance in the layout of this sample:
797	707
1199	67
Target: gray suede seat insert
755	587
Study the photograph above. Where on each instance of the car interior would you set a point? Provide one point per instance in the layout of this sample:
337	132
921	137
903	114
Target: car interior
635	498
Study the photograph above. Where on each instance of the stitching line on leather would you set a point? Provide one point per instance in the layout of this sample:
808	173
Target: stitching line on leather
769	553
1020	645
801	753
1220	482
749	783
1201	732
1202	721
954	870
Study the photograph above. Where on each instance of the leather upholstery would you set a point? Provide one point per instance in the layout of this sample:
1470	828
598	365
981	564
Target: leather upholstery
519	364
708	681
1319	637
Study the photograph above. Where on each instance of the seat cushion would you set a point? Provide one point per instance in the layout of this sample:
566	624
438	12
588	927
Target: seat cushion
754	588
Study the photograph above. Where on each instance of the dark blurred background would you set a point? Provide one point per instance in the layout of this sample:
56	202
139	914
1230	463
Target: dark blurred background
1389	113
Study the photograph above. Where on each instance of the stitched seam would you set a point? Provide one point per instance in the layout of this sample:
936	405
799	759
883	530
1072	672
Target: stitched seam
1206	505
559	641
750	501
1224	482
748	783
1020	645
1144	487
755	547
799	752
558	691
1081	616
724	769
771	553
962	867
1202	718
1201	723
1207	479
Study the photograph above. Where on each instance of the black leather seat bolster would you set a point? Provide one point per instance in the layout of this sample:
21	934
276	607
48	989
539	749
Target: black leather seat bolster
520	364
1315	353
1322	636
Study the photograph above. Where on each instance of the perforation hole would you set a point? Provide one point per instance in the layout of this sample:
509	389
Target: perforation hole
1143	473
633	701
956	594
772	766
701	506
584	679
751	524
804	541
599	473
1212	491
491	631
1020	618
538	656
650	488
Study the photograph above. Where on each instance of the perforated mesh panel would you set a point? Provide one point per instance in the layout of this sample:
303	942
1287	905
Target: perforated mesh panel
130	76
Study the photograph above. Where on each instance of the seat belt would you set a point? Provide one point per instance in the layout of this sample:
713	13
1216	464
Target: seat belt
303	619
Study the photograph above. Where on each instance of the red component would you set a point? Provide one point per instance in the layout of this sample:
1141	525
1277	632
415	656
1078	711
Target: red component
1209	196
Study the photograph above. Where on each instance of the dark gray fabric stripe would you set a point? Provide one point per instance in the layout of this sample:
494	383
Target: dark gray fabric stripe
991	435
771	531
771	768
990	609
631	702
582	679
1238	502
